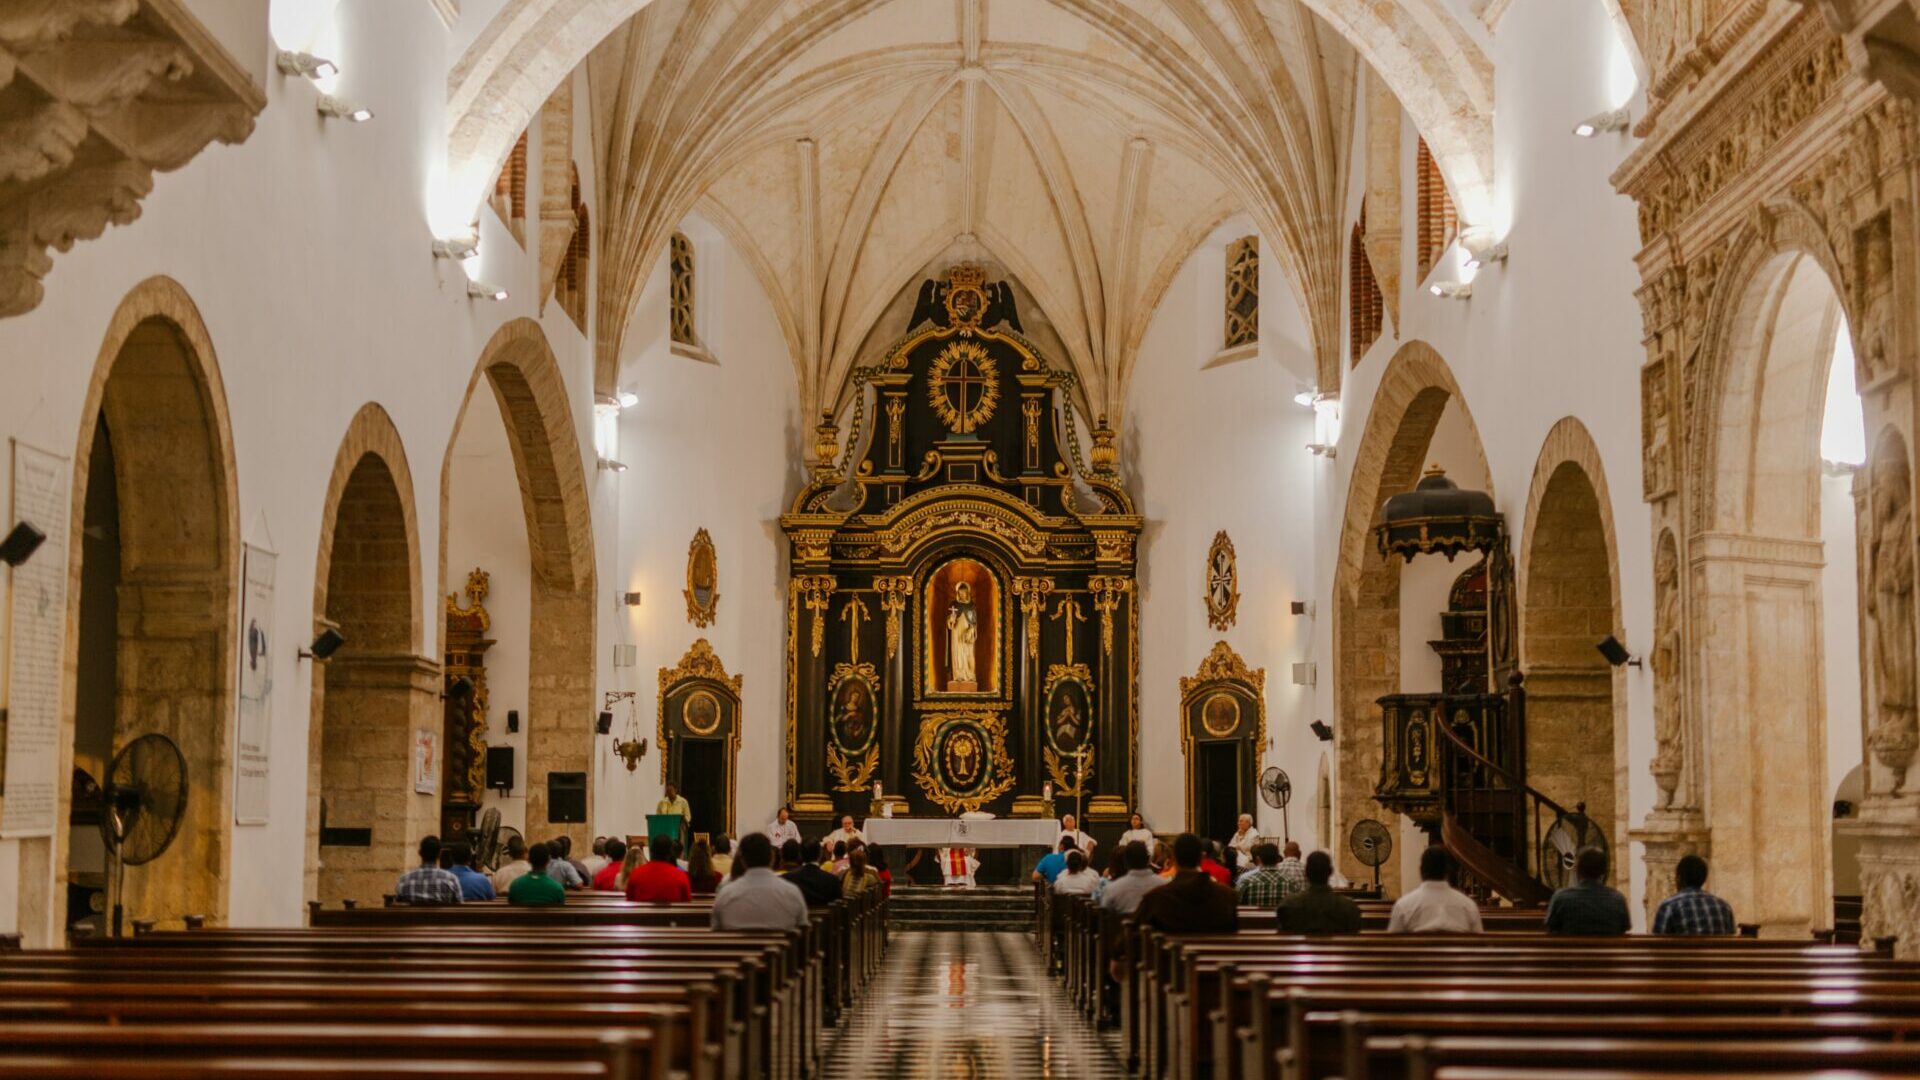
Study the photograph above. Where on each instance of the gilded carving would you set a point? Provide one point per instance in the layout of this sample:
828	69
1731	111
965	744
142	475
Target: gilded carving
961	760
894	592
853	613
1221	593
1033	593
815	592
853	747
963	386
1108	592
1067	612
703	581
702	666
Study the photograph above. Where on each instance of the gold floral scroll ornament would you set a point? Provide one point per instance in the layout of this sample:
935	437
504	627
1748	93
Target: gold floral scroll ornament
893	600
1222	584
968	747
703	580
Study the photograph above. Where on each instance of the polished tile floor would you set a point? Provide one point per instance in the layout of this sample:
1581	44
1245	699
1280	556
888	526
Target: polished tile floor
966	1006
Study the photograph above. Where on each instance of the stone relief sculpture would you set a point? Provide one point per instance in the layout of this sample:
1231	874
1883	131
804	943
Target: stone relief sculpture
1669	755
1890	605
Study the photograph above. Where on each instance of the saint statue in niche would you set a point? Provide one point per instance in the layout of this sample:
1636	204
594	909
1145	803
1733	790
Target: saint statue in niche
961	642
1891	605
963	633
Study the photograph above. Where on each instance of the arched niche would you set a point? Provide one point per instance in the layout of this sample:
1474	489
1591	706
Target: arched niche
1223	726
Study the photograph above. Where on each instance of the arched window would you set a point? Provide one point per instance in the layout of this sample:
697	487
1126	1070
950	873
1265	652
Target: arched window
572	286
1243	292
680	266
510	191
1438	222
1366	307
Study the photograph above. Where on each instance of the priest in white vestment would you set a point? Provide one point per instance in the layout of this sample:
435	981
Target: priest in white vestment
957	865
1070	827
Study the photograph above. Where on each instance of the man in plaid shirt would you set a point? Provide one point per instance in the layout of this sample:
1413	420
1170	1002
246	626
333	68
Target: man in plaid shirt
427	884
1269	883
1693	910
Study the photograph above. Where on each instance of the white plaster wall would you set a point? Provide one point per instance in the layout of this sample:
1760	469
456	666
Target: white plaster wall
713	445
1214	448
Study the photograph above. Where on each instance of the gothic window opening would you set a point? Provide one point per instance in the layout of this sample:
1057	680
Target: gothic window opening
1438	222
1243	292
510	191
572	286
1366	305
680	266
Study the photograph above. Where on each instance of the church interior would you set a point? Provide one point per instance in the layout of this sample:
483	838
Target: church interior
1474	433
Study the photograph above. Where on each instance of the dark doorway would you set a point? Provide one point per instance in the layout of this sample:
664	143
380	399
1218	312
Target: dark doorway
702	769
97	693
1219	798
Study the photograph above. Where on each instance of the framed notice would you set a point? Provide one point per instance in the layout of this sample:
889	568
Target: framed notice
36	635
426	762
253	728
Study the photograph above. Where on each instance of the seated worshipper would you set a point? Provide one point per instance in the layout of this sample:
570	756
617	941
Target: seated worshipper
701	876
1053	862
1589	905
957	865
1435	907
1262	887
1162	858
814	881
1693	910
1318	909
1211	865
562	869
516	864
783	829
1123	893
839	856
878	860
1293	874
845	834
1116	865
427	884
659	880
1077	879
636	855
1193	902
1136	830
723	855
758	899
597	861
1071	828
1230	858
1245	839
474	885
859	877
534	886
608	879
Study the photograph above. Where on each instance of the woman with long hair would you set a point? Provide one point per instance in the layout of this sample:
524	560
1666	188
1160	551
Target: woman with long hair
701	875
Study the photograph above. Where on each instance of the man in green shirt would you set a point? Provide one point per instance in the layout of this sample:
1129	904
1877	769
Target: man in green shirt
1319	910
534	886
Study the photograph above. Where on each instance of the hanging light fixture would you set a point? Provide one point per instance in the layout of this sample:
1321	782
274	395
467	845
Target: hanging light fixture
1437	516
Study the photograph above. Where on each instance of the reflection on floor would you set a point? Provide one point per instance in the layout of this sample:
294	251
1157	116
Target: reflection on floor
966	1006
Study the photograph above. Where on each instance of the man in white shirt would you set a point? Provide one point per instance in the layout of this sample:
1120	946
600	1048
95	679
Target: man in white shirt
845	834
1070	827
597	861
515	865
1245	839
1123	893
1435	907
759	899
783	829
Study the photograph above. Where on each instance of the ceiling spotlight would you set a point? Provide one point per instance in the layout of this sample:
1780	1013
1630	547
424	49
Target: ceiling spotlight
485	292
306	65
1323	450
1598	123
457	247
1479	255
1451	290
626	399
610	465
334	109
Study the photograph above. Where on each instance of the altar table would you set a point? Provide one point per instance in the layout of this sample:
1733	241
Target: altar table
955	832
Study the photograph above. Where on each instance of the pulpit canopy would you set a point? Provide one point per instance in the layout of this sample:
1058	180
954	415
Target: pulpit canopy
1438	516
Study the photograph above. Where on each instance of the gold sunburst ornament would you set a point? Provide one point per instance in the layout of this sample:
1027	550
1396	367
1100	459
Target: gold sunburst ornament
963	385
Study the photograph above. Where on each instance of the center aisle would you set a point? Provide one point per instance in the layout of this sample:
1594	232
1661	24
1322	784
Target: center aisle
957	1004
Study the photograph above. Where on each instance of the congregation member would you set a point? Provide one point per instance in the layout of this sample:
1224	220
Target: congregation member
1161	858
427	885
1262	887
608	879
1123	894
1693	910
596	861
474	885
782	829
1435	907
1589	905
636	855
1245	839
562	869
878	860
1116	865
1070	829
516	865
1051	864
659	880
860	877
702	878
723	855
672	802
1194	902
535	887
839	857
1293	872
1211	864
758	898
845	834
1317	909
1137	832
815	882
1077	879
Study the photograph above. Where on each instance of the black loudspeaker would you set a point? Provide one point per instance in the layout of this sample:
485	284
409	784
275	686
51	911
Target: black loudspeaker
513	721
603	724
500	767
21	543
566	797
1322	731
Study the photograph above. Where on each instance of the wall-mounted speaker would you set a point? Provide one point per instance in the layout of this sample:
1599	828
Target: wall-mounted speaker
500	768
513	721
1322	731
566	797
603	724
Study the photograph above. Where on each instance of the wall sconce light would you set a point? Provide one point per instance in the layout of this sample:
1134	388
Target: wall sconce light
1481	248
21	543
306	65
626	399
610	465
631	599
1323	450
1306	398
334	109
1598	123
1451	290
624	655
477	291
1304	674
325	644
457	247
1303	607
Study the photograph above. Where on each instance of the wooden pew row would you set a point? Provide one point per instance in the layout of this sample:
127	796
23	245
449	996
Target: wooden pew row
1421	1057
1470	1072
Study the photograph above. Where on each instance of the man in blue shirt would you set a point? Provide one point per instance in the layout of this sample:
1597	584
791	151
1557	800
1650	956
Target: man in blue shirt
474	885
1693	910
1054	863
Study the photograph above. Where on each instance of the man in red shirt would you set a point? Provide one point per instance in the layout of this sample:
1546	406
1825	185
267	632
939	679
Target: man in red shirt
1212	867
608	879
659	881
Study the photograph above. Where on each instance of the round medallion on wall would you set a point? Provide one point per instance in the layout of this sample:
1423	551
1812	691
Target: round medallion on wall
701	713
1221	715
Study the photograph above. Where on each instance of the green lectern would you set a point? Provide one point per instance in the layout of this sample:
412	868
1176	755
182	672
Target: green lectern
672	825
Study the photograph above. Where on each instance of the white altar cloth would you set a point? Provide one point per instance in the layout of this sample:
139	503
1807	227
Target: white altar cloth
954	832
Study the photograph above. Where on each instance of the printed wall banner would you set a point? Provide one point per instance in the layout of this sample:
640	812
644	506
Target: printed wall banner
254	724
426	761
35	642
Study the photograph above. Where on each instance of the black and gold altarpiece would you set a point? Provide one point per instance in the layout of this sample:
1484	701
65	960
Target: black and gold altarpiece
961	615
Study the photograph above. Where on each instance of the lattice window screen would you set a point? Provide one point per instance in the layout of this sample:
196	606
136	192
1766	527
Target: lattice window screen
510	190
681	268
1438	223
575	267
1366	306
1243	292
